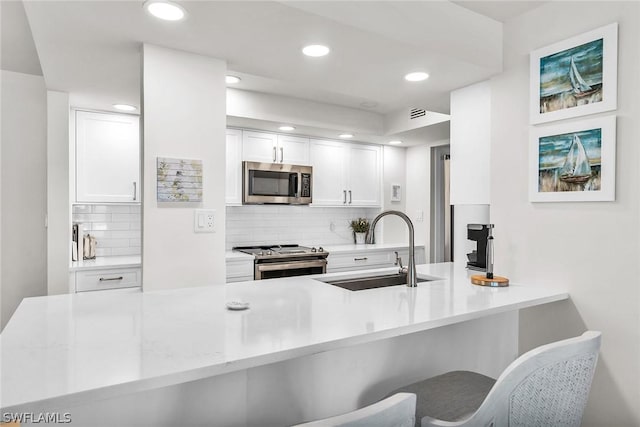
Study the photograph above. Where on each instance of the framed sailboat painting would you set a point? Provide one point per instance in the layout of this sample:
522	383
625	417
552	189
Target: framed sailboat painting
573	162
575	77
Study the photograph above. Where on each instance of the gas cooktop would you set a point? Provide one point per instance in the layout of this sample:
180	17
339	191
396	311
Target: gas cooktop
282	251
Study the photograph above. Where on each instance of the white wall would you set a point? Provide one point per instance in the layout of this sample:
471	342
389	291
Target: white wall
23	189
184	116
418	194
264	106
394	172
470	162
470	144
591	249
58	232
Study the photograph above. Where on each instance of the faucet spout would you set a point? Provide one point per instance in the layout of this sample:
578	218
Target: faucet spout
412	278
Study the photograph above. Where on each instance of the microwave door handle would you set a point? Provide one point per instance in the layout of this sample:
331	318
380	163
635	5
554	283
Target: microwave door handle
296	184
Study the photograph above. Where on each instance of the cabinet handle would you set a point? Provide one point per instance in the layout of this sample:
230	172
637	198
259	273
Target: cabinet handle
361	259
275	158
344	197
102	279
135	191
350	200
281	154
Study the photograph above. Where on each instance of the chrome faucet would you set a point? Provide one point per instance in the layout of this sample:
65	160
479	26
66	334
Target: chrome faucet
402	269
411	268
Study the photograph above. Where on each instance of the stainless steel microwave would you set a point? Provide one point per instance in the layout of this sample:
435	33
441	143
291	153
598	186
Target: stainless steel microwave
276	183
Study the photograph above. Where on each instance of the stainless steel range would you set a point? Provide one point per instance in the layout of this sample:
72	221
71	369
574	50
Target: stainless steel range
286	260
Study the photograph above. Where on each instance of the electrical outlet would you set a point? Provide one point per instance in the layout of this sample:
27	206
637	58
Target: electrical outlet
420	216
204	221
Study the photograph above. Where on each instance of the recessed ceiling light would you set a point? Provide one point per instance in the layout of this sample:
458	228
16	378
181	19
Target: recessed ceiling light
232	79
315	50
417	76
346	135
286	128
165	10
396	142
124	107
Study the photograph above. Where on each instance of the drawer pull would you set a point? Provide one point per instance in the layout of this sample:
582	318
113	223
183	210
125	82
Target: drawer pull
361	259
102	279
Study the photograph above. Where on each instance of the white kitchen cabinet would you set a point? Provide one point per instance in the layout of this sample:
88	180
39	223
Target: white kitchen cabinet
113	278
233	192
363	259
328	159
259	146
293	150
364	175
273	148
345	174
107	157
239	269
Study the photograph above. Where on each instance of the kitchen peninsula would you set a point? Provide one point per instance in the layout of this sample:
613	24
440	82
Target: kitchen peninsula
90	354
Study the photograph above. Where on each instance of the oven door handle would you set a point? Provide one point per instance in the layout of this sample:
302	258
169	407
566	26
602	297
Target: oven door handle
290	265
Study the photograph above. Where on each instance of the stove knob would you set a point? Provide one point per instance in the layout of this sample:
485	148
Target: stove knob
320	249
260	253
313	249
269	252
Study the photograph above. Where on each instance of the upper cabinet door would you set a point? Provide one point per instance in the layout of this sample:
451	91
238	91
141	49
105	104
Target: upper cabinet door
233	193
260	147
364	176
293	150
107	157
329	161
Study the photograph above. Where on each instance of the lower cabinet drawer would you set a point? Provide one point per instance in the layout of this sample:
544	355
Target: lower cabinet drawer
359	260
239	270
95	280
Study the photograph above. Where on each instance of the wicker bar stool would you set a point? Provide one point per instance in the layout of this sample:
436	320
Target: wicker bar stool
547	386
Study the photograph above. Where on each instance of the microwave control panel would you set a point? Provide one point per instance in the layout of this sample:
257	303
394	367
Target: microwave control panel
306	185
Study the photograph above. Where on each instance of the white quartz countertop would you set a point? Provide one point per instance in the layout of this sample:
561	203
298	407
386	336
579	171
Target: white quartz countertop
93	345
335	249
367	247
104	262
233	255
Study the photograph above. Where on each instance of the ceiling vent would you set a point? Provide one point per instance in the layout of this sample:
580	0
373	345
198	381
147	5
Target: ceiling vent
417	113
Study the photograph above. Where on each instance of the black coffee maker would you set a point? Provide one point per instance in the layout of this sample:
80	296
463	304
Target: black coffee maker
480	234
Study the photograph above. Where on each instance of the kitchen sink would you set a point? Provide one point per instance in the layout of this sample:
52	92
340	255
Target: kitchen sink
371	282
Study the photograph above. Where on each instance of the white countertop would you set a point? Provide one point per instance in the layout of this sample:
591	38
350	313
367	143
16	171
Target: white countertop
367	247
102	262
334	249
95	345
232	255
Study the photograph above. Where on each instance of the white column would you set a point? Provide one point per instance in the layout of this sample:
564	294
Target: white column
58	206
184	117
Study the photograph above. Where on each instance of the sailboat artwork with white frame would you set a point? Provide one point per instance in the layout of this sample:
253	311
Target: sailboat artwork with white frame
575	77
573	161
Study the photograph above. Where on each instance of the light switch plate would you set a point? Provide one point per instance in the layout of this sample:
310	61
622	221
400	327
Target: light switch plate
204	221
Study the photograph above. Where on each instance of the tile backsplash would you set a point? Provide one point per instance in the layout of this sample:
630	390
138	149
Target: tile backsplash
115	227
282	224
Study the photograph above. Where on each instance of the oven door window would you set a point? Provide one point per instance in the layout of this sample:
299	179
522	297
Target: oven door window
291	268
272	183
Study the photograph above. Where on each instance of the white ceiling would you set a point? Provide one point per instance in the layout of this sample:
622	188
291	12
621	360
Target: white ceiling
91	49
500	10
18	50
